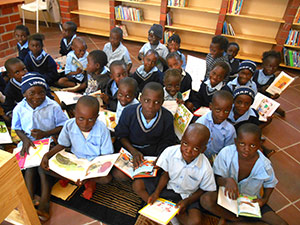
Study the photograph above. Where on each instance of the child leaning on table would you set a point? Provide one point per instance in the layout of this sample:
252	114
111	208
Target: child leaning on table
186	175
243	169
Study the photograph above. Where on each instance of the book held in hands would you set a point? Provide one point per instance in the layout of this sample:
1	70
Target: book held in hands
280	83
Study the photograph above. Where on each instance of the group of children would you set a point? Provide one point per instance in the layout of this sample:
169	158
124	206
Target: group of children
228	137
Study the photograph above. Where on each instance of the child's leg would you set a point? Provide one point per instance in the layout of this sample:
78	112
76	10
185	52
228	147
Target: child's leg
139	188
119	175
65	82
31	175
191	217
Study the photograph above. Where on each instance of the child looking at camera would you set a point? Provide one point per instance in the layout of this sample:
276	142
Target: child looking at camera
69	33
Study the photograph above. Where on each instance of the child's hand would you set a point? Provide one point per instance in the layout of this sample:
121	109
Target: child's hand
152	198
231	189
179	101
261	201
182	205
45	162
78	71
137	158
190	106
27	143
275	96
38	134
104	97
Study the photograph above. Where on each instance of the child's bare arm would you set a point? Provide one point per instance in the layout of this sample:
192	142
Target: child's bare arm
184	203
137	155
231	188
48	155
265	198
39	134
129	65
163	181
27	143
78	71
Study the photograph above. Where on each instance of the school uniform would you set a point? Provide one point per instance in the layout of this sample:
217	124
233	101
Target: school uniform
111	91
182	56
168	97
210	62
71	66
186	81
121	53
261	80
13	95
97	82
221	135
98	141
251	116
232	85
65	47
23	50
120	108
234	64
149	138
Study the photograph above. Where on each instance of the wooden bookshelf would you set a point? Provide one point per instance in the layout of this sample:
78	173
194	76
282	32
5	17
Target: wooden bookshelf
203	30
91	13
146	22
292	46
197	9
88	30
258	17
252	38
151	3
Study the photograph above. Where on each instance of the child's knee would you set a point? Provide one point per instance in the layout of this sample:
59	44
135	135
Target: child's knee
119	175
208	200
138	185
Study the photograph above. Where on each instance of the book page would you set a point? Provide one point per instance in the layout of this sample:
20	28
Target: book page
226	202
281	82
196	67
247	207
61	63
69	98
108	118
201	111
4	134
171	106
182	119
186	95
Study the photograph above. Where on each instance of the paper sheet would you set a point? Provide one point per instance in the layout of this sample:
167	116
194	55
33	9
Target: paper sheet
196	67
63	192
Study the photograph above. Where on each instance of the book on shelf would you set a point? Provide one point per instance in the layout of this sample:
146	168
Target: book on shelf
125	164
281	82
182	119
196	67
291	57
169	19
297	16
4	134
69	166
124	29
167	34
293	38
242	206
161	211
178	3
228	29
235	6
128	13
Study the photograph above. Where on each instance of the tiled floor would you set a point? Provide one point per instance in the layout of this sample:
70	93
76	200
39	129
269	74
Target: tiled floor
283	135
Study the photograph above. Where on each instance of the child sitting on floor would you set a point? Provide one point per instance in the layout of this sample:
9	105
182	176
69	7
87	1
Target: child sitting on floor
37	60
232	51
172	80
69	33
222	133
242	169
34	118
115	50
75	65
186	174
21	34
88	138
148	71
146	128
174	45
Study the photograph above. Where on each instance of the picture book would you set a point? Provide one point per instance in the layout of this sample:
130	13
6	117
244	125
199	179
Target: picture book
201	111
61	63
182	119
70	98
243	206
77	63
108	118
265	106
161	211
196	67
186	95
281	82
171	106
4	134
35	155
69	166
125	164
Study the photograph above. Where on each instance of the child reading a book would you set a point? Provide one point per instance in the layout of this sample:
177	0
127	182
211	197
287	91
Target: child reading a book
146	128
115	50
34	118
148	71
186	175
37	60
172	80
69	33
232	51
75	65
242	169
222	133
174	45
155	34
21	35
174	61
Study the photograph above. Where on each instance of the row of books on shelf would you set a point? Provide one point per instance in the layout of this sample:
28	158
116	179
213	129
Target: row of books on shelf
235	6
291	57
128	13
228	29
167	35
169	19
178	3
297	17
293	38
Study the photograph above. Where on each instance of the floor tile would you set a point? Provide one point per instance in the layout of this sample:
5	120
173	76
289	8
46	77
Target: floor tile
268	144
285	104
297	204
291	215
277	201
294	152
292	118
291	95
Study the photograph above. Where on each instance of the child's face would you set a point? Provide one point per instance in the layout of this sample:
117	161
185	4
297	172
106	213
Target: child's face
173	46
114	39
244	76
85	117
21	37
270	65
17	71
172	85
216	75
174	63
67	32
153	40
151	102
92	67
125	94
35	96
215	50
118	72
232	51
79	49
35	47
242	104
149	62
220	109
247	145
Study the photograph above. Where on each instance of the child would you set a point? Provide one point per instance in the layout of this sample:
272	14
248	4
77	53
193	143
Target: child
222	133
232	51
117	73
174	45
245	73
148	71
155	34
172	80
217	48
21	34
186	175
115	50
146	128
174	61
36	117
241	168
127	92
214	83
37	60
87	137
98	75
75	65
69	33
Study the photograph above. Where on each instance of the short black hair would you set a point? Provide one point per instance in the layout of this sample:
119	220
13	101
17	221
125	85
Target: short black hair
37	37
89	101
98	56
172	73
23	28
152	51
175	38
131	82
117	63
173	55
234	44
226	95
81	40
72	25
117	30
249	128
221	40
154	86
223	65
273	54
10	62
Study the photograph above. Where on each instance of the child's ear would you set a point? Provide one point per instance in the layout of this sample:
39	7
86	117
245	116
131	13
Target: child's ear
210	106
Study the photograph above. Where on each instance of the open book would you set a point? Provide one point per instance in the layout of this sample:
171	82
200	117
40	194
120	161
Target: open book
243	206
69	166
201	111
108	118
281	82
196	67
182	119
161	211
125	164
61	63
35	155
70	98
4	134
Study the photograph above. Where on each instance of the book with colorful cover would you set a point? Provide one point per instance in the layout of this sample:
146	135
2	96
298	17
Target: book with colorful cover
161	211
108	118
182	119
282	81
35	155
4	134
125	164
69	166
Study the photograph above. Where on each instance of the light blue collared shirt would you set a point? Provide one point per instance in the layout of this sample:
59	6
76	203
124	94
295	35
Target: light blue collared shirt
226	164
244	117
183	59
146	124
72	67
113	88
43	54
121	53
143	73
234	84
120	108
23	46
262	78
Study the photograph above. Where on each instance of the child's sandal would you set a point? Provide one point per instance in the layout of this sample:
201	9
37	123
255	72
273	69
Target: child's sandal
43	216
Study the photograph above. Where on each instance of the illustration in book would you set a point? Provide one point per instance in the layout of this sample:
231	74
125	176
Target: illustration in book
182	119
280	83
108	118
4	134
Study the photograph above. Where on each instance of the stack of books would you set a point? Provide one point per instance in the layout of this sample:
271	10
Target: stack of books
167	35
293	38
178	3
228	29
235	6
291	57
128	13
